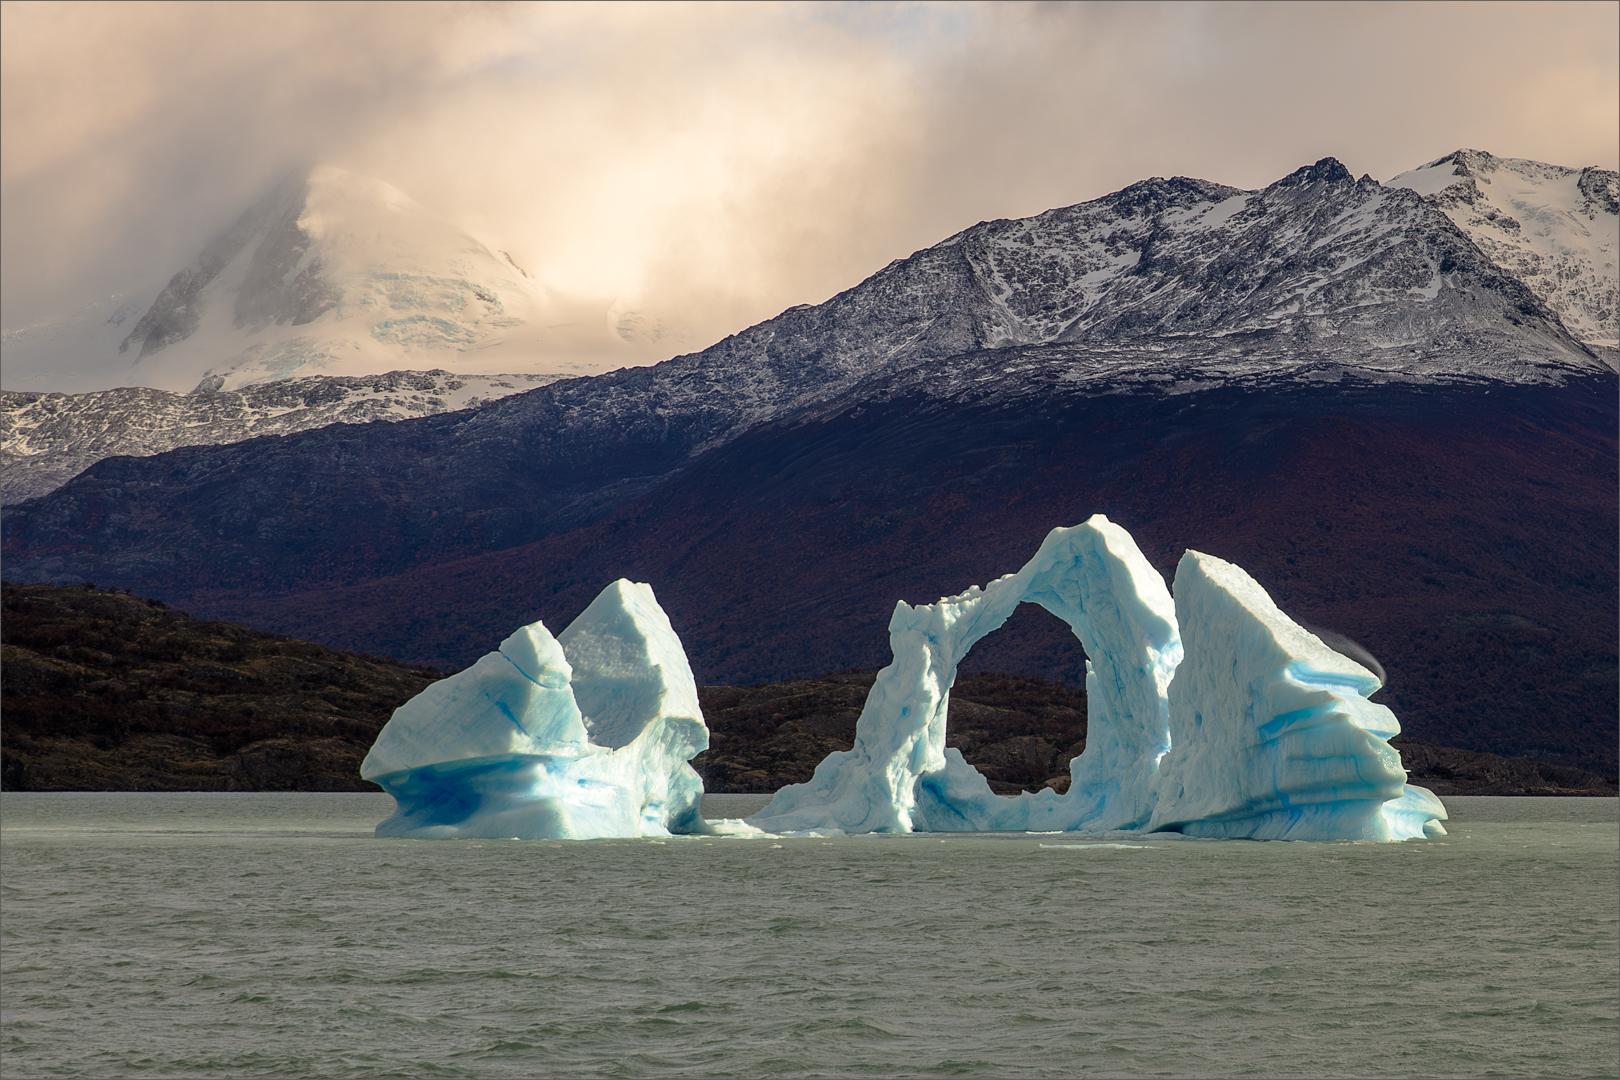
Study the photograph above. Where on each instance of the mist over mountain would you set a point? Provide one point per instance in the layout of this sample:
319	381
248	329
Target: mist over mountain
338	274
719	163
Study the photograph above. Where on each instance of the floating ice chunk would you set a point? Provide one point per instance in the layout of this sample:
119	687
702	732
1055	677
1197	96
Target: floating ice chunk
1274	736
635	688
586	735
900	776
1259	730
1210	714
515	700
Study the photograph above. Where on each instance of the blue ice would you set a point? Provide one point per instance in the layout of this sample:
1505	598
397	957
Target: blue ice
588	734
1209	712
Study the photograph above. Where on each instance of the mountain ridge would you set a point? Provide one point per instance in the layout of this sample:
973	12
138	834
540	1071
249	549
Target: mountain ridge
1107	269
46	439
1188	282
1325	380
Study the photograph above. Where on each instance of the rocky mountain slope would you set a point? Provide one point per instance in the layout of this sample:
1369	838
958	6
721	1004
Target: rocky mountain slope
1554	228
334	273
47	439
106	691
1326	380
1168	284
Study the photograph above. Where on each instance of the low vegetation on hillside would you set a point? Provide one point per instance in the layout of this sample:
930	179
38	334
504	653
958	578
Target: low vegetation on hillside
105	691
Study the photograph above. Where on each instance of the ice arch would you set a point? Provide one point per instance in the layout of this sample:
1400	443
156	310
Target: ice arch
900	776
1214	714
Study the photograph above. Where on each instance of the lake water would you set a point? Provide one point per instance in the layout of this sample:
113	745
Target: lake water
271	935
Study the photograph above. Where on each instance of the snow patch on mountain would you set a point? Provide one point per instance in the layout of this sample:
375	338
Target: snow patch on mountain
1557	229
47	439
1177	283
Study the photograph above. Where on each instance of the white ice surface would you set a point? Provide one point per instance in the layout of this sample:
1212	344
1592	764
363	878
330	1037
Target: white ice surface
586	735
1211	714
1261	731
1273	734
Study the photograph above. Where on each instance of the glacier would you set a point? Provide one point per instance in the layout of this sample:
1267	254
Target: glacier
1209	713
584	735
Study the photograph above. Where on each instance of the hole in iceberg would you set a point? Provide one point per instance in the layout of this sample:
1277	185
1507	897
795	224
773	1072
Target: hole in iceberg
1033	671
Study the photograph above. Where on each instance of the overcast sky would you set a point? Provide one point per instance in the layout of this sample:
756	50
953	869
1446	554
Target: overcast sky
723	162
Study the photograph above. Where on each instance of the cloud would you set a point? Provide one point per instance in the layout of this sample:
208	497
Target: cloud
133	130
717	163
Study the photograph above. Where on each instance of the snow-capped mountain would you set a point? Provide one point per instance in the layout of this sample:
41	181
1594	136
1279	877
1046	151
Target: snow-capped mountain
334	273
46	439
1174	282
1167	286
1554	228
1327	378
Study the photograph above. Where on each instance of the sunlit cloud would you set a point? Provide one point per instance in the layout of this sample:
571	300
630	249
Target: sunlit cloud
716	163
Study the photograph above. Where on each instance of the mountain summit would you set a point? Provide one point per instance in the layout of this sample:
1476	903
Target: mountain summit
325	273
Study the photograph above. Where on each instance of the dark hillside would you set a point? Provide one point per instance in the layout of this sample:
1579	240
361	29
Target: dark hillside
1465	535
104	691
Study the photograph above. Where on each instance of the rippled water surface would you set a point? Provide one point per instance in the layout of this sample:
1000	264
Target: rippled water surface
243	935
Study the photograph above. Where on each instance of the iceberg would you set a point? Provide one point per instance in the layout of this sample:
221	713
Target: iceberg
1211	714
901	777
1273	735
588	734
